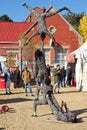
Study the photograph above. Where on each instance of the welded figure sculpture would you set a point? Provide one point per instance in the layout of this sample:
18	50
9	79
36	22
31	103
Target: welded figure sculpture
40	71
40	66
41	21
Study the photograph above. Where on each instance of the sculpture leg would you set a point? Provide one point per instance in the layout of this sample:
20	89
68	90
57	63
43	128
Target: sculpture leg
51	36
42	46
34	34
37	90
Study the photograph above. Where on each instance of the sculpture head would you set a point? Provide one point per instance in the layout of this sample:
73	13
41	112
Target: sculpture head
42	36
43	9
74	119
38	53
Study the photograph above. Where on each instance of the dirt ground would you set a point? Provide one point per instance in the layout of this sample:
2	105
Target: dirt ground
21	108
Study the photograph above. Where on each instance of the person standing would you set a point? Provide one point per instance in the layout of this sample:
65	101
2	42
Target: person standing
7	78
0	66
55	79
63	73
59	77
48	70
17	77
26	77
68	76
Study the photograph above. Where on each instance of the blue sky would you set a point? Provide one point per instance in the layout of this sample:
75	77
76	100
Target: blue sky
18	13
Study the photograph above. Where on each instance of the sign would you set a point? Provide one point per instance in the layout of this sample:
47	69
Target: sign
11	59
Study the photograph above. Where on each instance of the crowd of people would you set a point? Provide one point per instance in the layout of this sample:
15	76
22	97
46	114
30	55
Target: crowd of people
62	78
12	75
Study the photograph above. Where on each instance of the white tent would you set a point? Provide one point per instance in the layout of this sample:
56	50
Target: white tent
2	58
81	67
2	61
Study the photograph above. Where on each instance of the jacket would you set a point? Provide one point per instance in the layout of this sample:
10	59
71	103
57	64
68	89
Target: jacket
26	76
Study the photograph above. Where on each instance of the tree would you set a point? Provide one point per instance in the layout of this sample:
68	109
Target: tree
27	50
74	19
5	18
83	27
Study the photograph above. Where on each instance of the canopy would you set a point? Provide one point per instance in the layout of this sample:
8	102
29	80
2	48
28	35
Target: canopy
81	67
82	50
2	58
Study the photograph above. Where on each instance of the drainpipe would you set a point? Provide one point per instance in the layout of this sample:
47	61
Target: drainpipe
20	56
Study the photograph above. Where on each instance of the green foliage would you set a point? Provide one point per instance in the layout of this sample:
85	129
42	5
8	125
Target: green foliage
27	49
5	18
74	19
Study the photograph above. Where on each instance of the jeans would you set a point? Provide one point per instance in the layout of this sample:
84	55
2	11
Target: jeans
59	85
63	82
27	85
8	86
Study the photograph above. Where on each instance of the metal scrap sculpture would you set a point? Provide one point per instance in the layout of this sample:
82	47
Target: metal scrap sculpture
41	21
40	65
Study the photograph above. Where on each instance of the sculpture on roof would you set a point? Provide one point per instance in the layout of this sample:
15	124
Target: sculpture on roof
41	21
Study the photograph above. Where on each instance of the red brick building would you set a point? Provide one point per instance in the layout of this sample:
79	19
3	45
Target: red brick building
9	37
67	38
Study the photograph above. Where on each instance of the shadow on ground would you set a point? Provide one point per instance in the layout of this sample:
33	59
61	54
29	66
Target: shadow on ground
2	128
15	100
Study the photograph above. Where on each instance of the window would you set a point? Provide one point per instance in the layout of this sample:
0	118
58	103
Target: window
47	56
52	29
60	56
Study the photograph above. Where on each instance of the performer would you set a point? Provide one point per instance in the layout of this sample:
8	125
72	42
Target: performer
48	98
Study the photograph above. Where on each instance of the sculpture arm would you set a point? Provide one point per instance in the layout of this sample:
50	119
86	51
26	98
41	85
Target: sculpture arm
31	10
29	29
55	12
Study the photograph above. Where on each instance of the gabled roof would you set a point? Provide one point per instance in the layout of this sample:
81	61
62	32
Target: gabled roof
11	31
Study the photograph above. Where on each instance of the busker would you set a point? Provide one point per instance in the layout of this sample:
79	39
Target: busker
57	110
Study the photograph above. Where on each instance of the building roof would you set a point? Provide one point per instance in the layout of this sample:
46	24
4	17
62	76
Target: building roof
11	31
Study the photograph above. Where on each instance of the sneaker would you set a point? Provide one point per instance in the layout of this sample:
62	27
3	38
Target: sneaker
58	92
7	93
32	94
36	99
10	92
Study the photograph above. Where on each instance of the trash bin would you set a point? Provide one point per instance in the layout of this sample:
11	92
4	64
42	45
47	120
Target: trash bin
2	83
